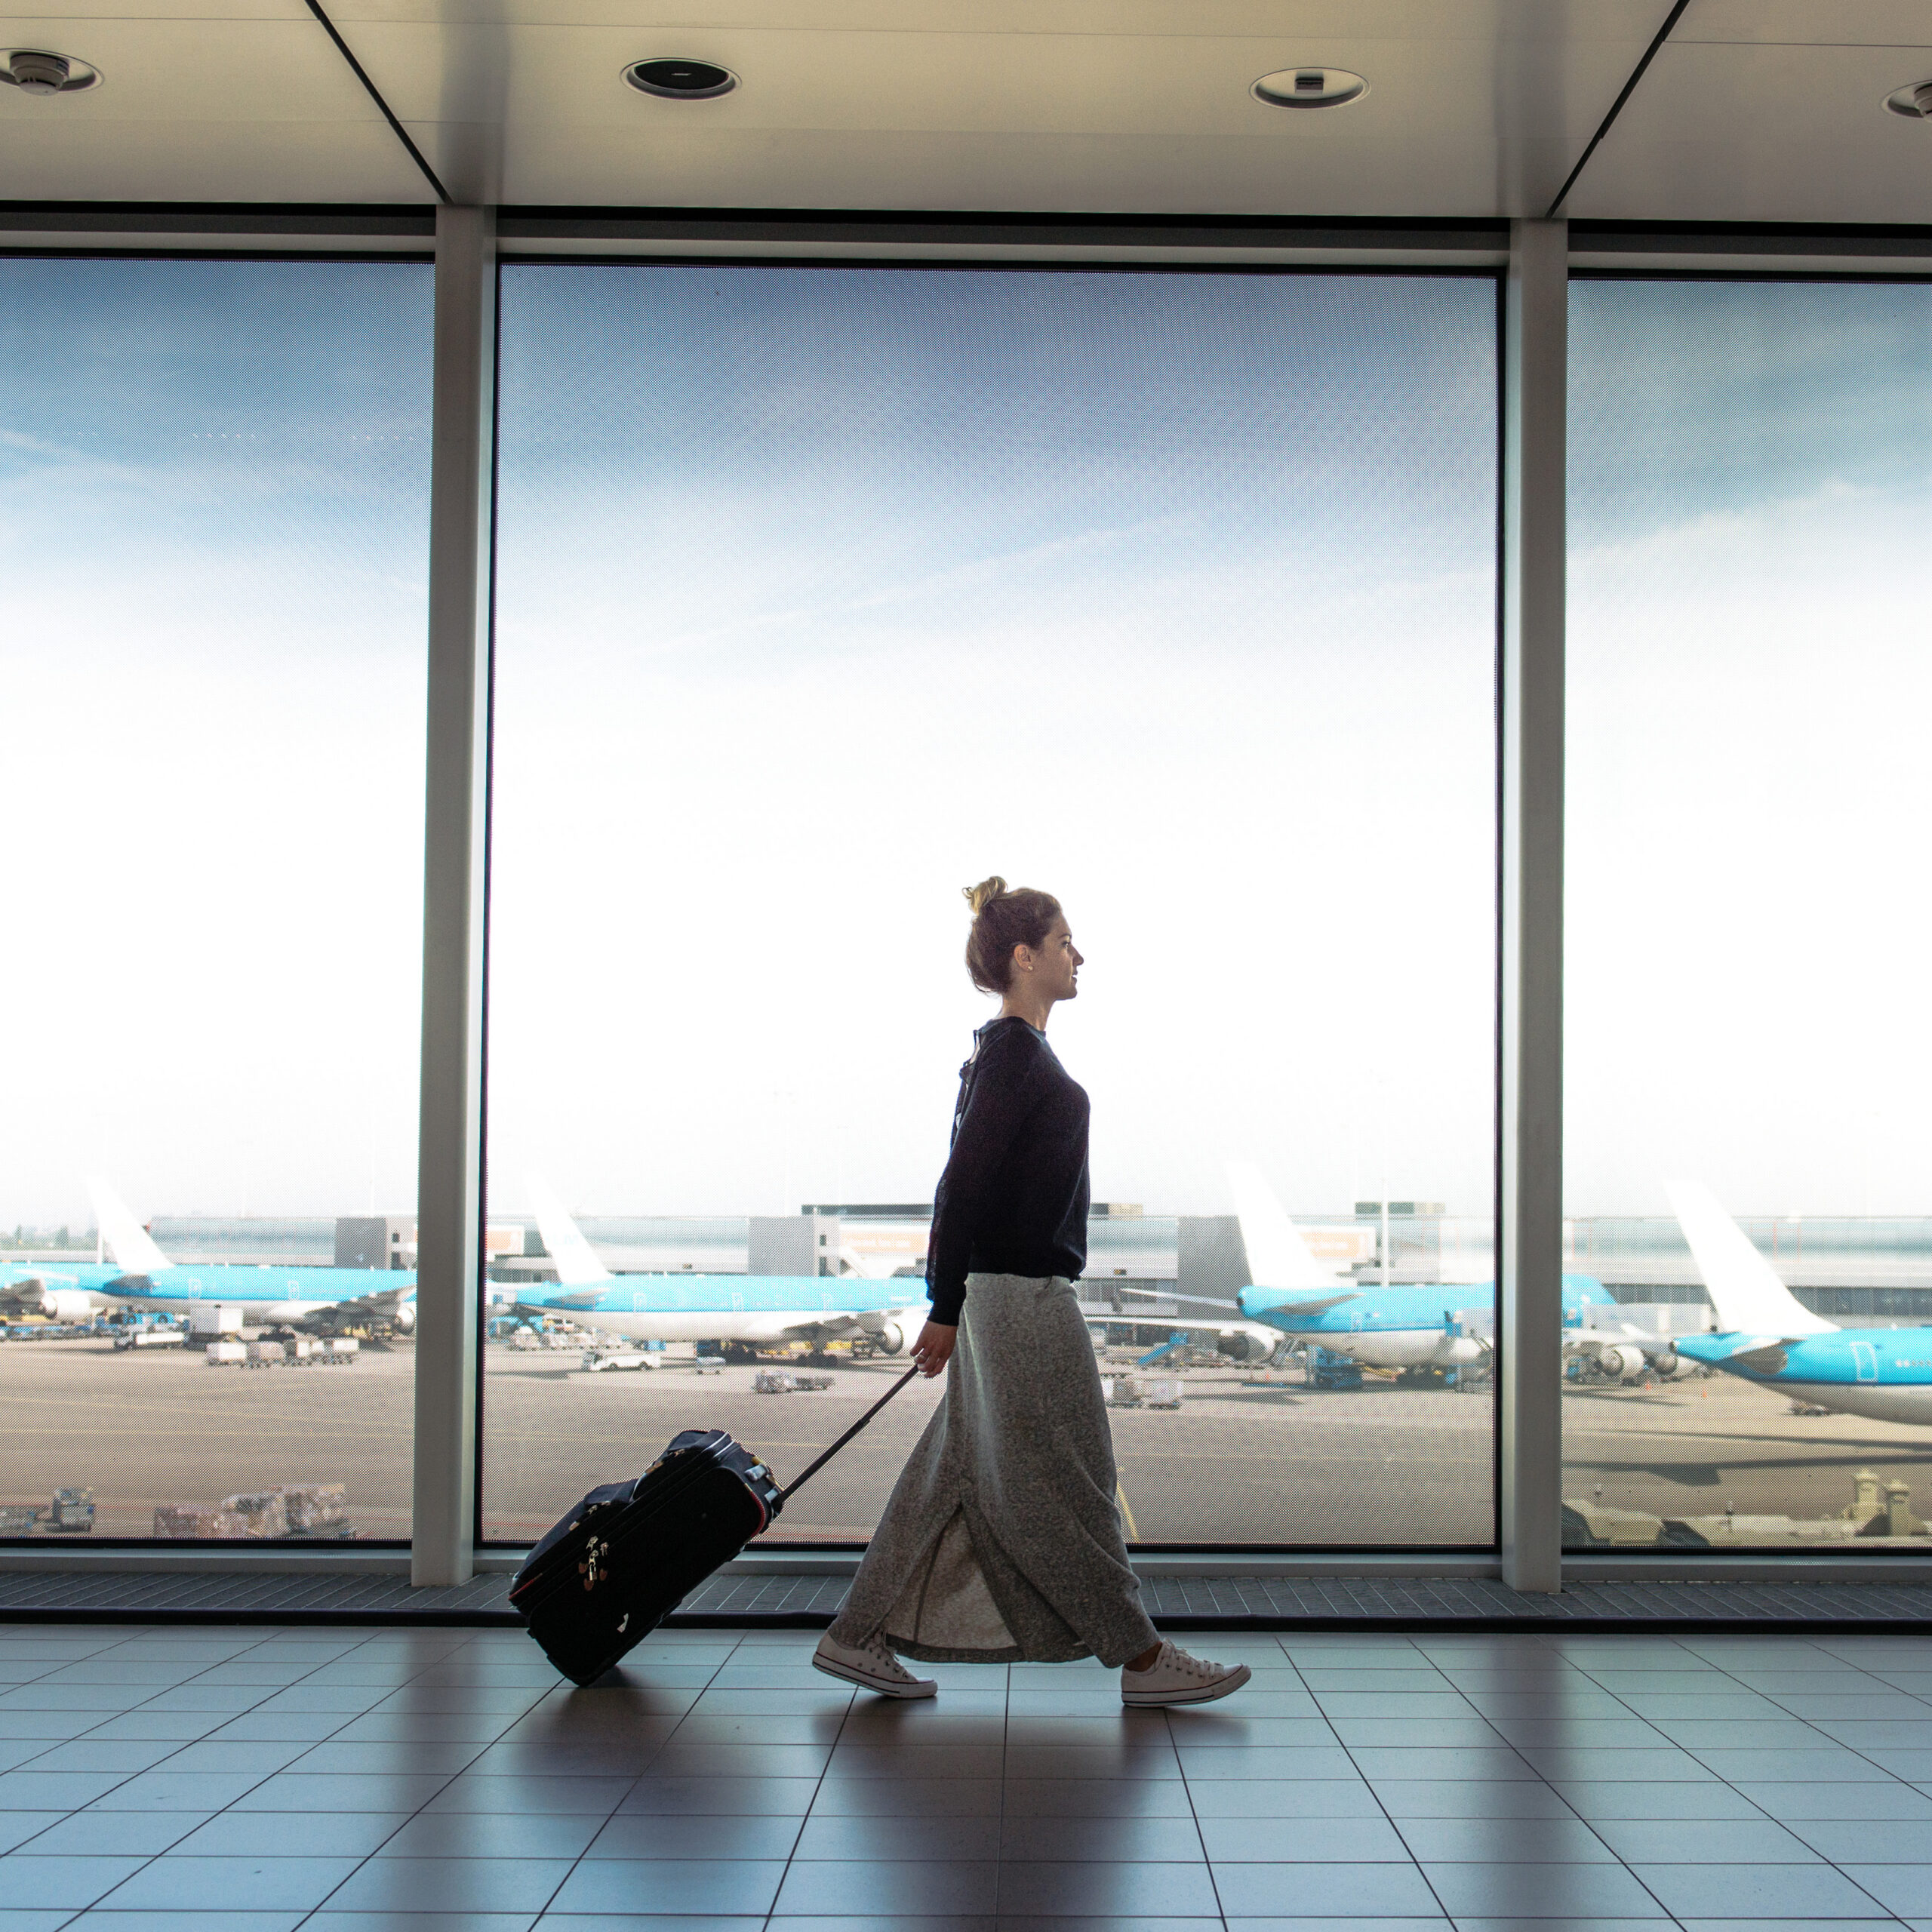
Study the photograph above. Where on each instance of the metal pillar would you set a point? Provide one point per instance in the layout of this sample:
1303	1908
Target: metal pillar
1529	1275
450	1184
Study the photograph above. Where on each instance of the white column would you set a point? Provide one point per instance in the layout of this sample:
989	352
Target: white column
1530	1267
450	1186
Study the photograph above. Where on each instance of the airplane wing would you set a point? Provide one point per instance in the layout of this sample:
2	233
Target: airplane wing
1583	1337
392	1305
27	1295
577	1266
1746	1292
1277	1257
125	1238
584	1302
1264	1338
1767	1358
1301	1311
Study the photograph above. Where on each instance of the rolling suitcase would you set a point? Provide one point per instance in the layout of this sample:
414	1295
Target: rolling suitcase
629	1553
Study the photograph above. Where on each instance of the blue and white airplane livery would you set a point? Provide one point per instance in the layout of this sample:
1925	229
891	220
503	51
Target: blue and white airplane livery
756	1310
143	1277
1769	1336
1410	1326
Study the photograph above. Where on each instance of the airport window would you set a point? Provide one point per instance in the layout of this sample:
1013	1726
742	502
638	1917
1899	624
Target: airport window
1751	499
823	593
215	475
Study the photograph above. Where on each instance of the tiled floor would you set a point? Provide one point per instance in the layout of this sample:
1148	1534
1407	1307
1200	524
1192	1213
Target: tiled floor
429	1780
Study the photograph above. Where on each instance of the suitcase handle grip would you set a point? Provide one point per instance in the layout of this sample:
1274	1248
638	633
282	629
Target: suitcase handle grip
798	1483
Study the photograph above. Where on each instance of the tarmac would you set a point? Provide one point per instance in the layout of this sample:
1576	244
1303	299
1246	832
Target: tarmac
1250	1457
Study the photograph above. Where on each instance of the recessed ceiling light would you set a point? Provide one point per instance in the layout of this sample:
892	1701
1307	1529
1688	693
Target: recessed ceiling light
34	71
1310	87
681	80
1914	103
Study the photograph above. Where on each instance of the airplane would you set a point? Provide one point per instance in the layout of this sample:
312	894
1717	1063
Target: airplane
742	1311
143	1277
1407	1328
1767	1336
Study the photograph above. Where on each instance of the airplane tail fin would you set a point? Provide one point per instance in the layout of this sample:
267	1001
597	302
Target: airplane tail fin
1747	1294
132	1249
577	1266
1277	1257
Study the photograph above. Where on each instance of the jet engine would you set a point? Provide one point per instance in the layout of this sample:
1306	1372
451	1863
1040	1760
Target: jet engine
405	1318
36	1298
1666	1361
1242	1346
890	1338
1620	1360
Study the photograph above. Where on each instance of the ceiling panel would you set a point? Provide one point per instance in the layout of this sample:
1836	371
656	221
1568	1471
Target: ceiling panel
960	120
1763	132
273	161
1757	110
1440	22
259	109
1840	23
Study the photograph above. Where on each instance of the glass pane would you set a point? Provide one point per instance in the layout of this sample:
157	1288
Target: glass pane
215	482
823	593
1751	503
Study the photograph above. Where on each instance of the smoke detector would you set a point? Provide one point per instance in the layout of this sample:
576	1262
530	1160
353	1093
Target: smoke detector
1309	87
1914	103
34	71
681	80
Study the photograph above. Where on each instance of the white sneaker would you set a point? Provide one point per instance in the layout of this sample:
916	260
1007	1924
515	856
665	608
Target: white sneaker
871	1666
1175	1677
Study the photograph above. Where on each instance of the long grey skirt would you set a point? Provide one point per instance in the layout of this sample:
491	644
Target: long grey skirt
1001	1541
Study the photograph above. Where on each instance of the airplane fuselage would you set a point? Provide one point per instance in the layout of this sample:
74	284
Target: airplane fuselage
1884	1374
266	1295
1414	1327
738	1307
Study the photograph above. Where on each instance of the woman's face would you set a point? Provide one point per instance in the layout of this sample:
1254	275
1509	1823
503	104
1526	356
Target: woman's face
1056	963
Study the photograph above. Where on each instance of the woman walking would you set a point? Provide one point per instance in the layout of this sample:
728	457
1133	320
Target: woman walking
1002	1542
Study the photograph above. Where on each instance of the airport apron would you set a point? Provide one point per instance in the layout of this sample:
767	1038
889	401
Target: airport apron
1002	1539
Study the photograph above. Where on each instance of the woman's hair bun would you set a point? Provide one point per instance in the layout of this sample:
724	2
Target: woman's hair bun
978	896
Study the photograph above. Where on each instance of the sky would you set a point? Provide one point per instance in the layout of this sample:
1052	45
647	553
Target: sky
1751	509
214	512
822	593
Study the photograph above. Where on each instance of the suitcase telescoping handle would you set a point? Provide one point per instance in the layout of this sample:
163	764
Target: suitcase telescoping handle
798	1483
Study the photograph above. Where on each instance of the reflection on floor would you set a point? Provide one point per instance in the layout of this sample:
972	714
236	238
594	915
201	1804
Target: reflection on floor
431	1779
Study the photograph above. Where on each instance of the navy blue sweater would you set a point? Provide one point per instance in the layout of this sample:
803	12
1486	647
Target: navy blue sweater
1013	1199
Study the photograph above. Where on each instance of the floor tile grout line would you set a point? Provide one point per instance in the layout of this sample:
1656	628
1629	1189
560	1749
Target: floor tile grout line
1706	1663
1194	1816
152	1858
663	1744
1387	1816
1724	1672
313	1911
269	1638
811	1805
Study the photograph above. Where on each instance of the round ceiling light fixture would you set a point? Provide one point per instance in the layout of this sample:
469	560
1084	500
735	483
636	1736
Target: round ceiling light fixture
1309	87
33	70
681	80
1914	103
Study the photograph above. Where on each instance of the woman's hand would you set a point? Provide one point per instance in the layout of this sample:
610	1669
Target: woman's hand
934	1349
